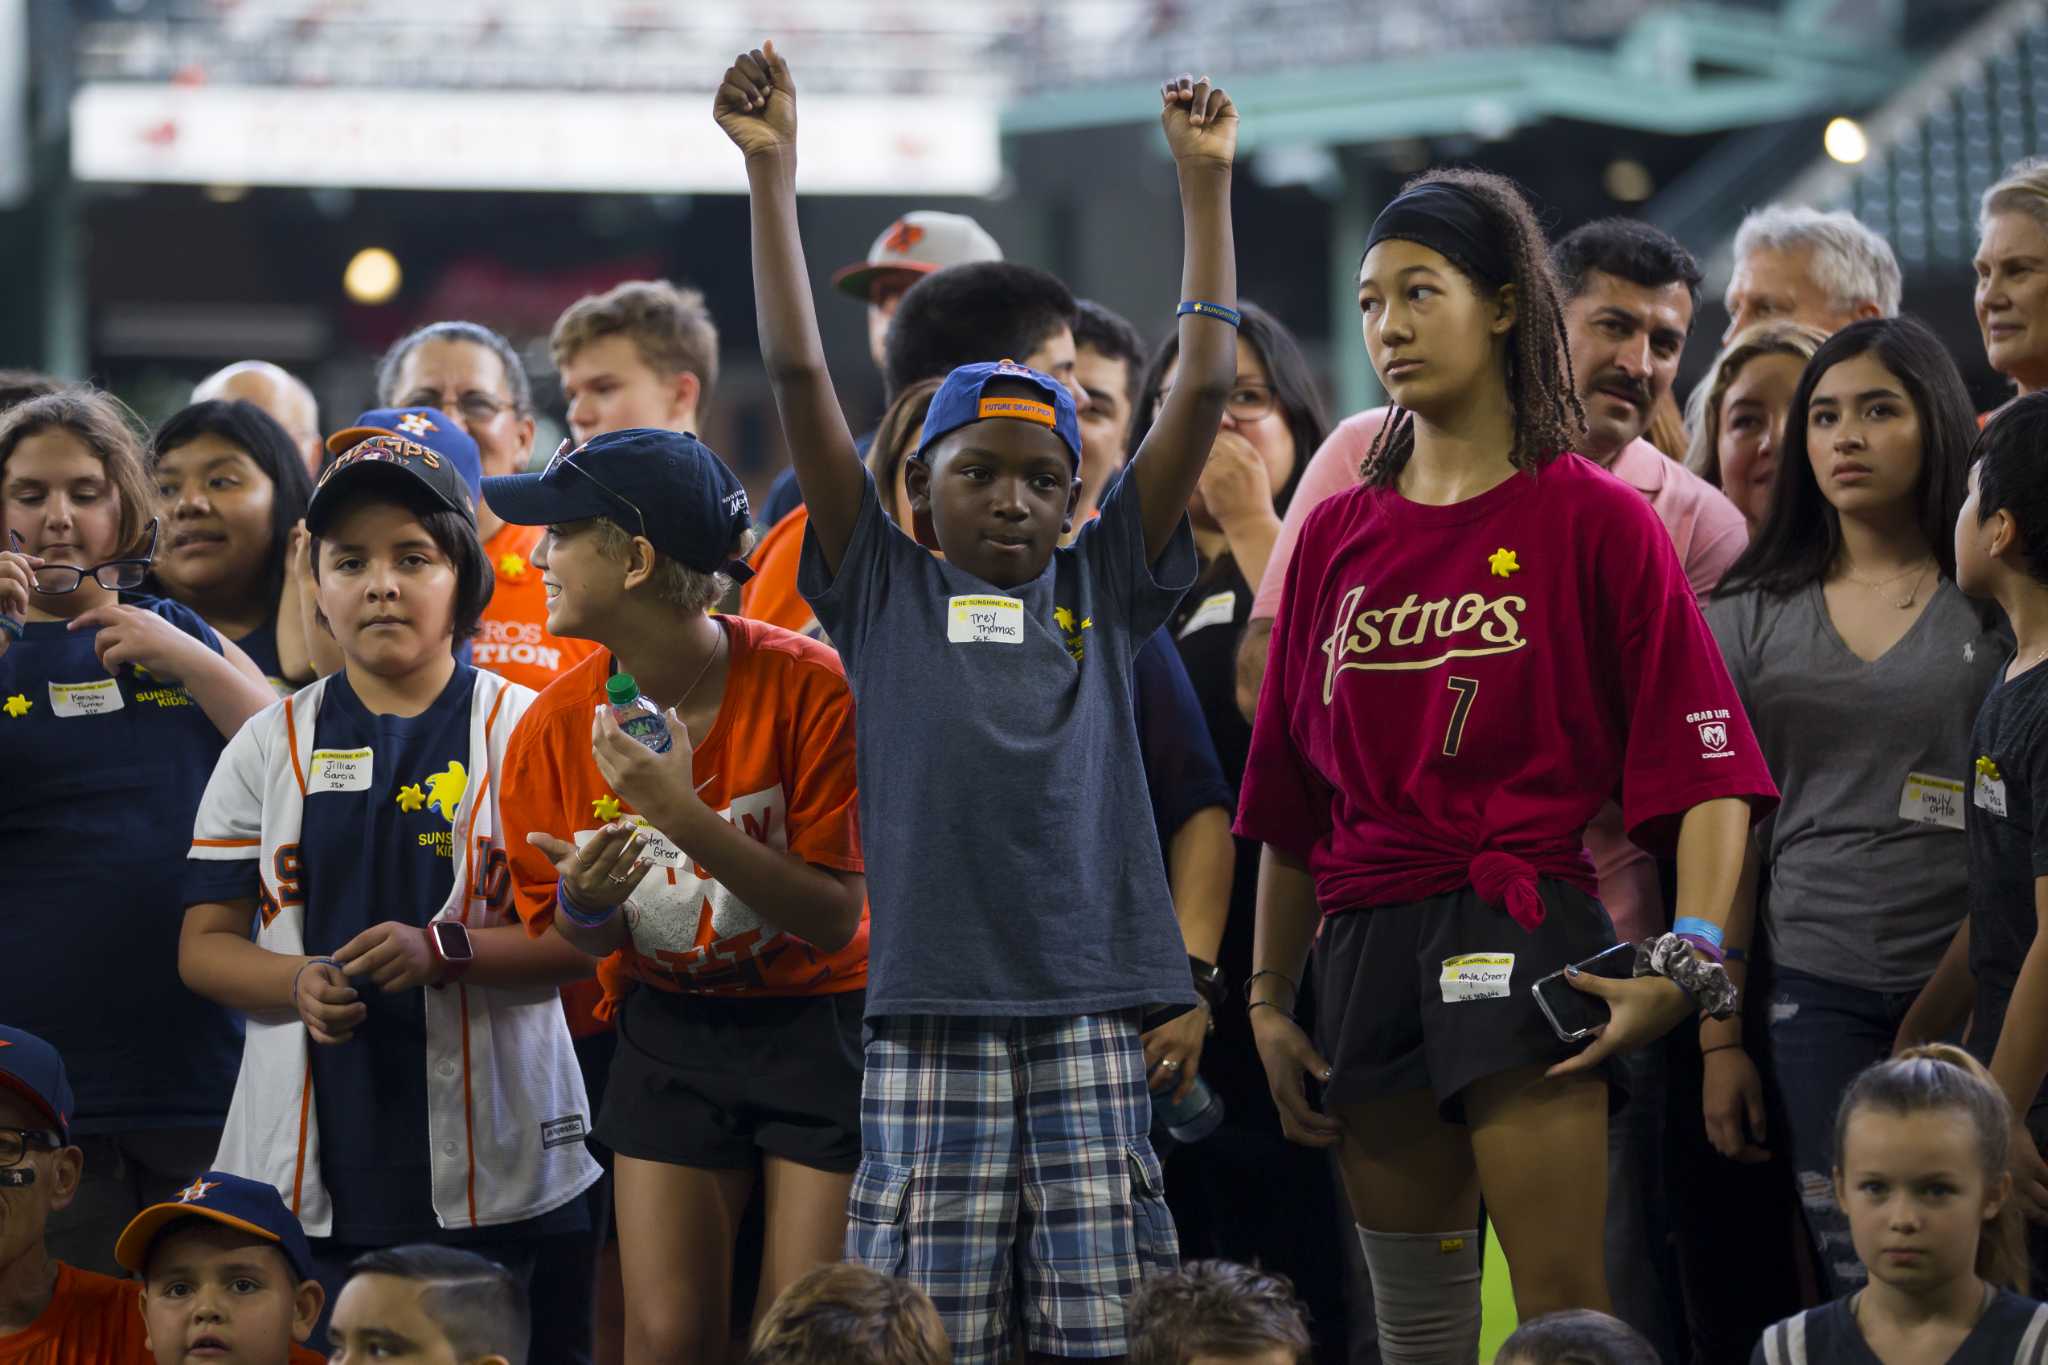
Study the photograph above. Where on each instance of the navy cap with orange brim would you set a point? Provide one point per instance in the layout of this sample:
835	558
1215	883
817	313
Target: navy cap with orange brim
232	1201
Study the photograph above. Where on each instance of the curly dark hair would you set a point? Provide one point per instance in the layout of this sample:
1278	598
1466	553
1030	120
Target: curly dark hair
1541	391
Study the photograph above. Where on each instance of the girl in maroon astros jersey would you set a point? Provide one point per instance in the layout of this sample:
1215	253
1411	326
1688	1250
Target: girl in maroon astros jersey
1476	647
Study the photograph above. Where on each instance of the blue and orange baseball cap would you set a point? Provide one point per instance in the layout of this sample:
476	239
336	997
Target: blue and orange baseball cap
665	485
961	401
423	446
32	1069
250	1206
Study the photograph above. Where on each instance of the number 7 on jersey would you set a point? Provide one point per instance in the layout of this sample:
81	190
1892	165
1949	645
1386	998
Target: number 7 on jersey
1466	688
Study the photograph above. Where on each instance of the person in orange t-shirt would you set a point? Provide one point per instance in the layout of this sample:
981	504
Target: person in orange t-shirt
52	1313
719	876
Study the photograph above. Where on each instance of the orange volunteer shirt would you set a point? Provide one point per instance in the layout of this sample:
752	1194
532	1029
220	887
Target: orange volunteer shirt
512	640
93	1319
771	595
778	763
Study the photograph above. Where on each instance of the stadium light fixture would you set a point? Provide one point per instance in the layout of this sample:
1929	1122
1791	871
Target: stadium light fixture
372	276
1845	141
1628	181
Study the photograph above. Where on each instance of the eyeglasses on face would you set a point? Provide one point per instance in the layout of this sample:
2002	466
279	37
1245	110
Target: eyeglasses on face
474	406
1246	403
115	575
15	1143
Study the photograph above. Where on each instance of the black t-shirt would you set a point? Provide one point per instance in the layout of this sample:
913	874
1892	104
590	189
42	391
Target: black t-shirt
2013	1331
2007	822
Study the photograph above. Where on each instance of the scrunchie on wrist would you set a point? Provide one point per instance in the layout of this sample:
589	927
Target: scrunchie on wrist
1677	959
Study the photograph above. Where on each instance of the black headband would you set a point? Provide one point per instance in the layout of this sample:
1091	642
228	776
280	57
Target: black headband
1451	221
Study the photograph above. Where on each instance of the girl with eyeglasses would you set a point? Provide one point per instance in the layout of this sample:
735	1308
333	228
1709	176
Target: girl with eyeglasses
112	713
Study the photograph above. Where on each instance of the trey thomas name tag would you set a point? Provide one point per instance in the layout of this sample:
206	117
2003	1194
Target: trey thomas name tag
985	620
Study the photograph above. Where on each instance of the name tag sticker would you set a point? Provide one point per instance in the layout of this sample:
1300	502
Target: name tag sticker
1477	976
985	620
86	698
1929	800
1990	794
1216	610
339	770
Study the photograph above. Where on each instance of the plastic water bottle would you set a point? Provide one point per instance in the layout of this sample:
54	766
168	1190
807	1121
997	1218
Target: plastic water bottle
1193	1117
636	715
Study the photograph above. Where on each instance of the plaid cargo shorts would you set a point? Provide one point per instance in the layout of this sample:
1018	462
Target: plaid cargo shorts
1006	1171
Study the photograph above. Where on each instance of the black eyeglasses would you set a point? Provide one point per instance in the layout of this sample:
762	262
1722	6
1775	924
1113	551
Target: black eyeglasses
16	1142
565	458
474	406
115	575
1247	402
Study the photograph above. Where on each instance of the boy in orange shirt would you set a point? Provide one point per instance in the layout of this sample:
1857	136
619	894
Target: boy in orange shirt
721	879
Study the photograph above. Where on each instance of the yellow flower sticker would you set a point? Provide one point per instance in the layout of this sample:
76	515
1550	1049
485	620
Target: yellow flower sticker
1986	768
18	705
605	808
1502	562
411	798
445	789
512	566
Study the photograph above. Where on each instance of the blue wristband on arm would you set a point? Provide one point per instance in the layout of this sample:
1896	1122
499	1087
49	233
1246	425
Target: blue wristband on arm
1694	927
1209	310
576	913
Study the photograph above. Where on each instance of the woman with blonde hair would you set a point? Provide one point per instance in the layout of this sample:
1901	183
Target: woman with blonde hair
2011	297
1737	412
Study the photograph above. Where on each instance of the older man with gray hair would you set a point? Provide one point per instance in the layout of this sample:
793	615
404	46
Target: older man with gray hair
278	392
1797	264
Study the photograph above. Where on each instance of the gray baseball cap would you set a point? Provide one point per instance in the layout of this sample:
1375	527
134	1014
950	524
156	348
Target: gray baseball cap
917	244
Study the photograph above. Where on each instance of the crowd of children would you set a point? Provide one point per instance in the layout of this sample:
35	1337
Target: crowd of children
442	929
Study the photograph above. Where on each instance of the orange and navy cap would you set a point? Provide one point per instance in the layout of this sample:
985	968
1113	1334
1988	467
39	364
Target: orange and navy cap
250	1206
961	401
412	451
32	1069
916	245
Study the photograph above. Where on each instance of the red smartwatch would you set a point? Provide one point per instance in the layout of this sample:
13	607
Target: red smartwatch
449	938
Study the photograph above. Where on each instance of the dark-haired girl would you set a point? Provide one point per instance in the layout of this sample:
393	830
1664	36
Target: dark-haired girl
1842	622
1476	647
231	487
1920	1146
407	1074
112	712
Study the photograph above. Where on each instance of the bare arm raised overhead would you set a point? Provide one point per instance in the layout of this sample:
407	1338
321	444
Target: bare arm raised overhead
1201	129
756	106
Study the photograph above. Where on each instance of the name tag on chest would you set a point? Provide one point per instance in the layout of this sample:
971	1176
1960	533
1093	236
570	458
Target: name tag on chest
1929	800
339	770
1990	794
1217	609
985	620
86	698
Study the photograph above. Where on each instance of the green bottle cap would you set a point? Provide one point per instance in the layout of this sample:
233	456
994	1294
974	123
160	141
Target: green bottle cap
621	688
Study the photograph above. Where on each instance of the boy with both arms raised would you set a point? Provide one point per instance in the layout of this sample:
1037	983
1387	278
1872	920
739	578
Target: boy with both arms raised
1006	1168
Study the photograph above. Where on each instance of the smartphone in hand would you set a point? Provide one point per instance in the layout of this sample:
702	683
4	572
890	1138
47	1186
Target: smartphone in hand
1572	1013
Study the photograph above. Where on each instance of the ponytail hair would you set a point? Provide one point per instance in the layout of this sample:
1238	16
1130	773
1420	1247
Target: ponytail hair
1942	1076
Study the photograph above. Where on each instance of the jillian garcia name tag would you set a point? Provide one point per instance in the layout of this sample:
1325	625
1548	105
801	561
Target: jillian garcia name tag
985	620
1477	976
1929	800
86	698
339	770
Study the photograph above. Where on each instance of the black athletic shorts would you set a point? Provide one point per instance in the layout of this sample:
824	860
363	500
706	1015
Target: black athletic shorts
713	1081
1394	1014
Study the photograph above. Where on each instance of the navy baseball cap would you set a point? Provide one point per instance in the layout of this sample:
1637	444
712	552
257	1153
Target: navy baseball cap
32	1069
424	445
961	402
251	1206
665	485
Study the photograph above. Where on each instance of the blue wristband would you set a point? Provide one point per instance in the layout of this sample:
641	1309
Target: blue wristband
1734	955
10	627
576	913
1692	926
1209	310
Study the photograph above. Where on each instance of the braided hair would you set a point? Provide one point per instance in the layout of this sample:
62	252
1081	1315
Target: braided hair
1542	394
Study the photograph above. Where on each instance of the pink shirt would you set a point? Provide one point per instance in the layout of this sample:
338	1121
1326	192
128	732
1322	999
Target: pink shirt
1706	530
1453	692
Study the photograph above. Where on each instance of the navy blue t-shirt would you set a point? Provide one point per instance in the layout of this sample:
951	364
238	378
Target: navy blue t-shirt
103	775
1183	775
2013	1331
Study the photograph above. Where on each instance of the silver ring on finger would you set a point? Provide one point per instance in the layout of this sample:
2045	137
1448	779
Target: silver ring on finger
1169	1065
615	878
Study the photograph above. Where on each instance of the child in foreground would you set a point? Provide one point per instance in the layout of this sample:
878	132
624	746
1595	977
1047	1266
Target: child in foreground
1212	1312
430	1303
847	1314
1922	1146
